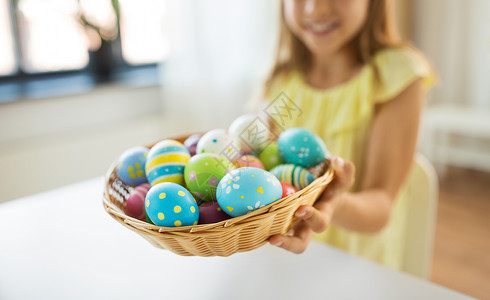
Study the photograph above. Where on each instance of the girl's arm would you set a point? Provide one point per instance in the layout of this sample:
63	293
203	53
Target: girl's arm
390	153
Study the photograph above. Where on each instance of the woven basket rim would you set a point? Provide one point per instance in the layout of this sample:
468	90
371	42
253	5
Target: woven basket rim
115	211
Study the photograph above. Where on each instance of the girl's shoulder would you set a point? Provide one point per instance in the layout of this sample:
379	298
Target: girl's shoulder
397	68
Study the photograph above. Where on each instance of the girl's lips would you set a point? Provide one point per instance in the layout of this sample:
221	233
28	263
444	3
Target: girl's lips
322	29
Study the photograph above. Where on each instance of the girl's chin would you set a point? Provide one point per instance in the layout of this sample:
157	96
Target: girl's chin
324	50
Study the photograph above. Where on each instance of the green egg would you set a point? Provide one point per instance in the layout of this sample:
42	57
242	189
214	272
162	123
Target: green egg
270	156
203	173
148	219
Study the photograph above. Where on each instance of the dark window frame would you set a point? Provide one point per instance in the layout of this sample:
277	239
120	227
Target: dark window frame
21	80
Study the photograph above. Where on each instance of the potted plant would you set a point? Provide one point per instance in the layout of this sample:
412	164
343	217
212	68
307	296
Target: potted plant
104	44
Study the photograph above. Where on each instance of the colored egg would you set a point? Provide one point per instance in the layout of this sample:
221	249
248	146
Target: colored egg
252	132
296	176
211	212
166	161
191	143
287	189
301	147
219	142
203	173
246	189
147	219
248	160
135	204
270	156
171	205
131	166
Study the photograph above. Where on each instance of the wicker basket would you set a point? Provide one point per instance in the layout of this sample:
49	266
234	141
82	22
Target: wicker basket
239	234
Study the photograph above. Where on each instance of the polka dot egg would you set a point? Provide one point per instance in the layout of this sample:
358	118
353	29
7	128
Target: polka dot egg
131	166
294	175
287	189
219	142
246	189
171	205
166	162
301	147
203	172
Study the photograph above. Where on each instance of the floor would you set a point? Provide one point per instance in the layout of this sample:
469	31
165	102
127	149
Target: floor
462	242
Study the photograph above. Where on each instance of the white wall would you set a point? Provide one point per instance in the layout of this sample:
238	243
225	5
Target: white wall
455	35
46	143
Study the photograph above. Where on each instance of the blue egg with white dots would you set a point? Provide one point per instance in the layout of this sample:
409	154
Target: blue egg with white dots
131	166
170	205
301	147
247	189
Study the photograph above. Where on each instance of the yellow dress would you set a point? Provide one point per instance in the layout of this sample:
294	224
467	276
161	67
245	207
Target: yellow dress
341	116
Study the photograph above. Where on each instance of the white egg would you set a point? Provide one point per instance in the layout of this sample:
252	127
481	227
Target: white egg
252	131
219	142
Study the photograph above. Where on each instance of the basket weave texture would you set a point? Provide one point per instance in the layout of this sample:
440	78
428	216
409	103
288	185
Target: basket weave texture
239	234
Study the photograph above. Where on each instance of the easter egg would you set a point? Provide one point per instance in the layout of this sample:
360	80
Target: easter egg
131	166
301	147
171	205
246	189
287	189
135	204
203	173
191	143
296	176
252	132
166	161
270	156
211	212
248	160
219	142
147	219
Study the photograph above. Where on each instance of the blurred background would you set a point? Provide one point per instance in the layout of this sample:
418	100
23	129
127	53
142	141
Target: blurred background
83	80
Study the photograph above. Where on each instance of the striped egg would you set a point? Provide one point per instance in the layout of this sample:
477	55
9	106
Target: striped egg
294	175
166	161
135	205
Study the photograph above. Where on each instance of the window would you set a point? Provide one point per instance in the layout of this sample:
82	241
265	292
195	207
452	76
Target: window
51	38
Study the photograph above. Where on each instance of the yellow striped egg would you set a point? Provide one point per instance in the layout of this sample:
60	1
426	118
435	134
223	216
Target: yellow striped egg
294	175
166	162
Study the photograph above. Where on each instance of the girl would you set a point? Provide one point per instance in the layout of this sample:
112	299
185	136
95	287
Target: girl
362	91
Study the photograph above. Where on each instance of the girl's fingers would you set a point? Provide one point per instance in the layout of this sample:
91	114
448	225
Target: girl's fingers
344	178
296	243
314	218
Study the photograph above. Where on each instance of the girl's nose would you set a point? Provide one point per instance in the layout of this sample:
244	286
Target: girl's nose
317	7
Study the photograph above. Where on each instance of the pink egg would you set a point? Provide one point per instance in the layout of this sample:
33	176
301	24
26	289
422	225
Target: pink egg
248	161
191	143
135	205
287	189
210	212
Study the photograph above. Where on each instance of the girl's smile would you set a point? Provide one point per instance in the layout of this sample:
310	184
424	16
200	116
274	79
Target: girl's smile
325	26
321	28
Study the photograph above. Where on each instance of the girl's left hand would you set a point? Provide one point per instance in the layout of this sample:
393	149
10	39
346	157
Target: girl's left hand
316	218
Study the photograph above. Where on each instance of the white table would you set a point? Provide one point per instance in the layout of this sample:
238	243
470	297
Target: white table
63	245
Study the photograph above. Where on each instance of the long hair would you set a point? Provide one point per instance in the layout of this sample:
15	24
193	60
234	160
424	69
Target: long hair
378	32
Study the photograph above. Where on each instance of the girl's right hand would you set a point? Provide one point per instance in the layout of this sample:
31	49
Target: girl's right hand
316	218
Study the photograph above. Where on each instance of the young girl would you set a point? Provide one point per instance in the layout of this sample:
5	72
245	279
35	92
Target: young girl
362	91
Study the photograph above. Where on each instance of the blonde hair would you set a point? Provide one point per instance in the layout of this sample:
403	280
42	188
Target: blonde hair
378	32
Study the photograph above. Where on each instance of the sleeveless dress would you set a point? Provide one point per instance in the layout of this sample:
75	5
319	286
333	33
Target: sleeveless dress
342	116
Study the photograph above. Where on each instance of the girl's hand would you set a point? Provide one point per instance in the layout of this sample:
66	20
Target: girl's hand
316	218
